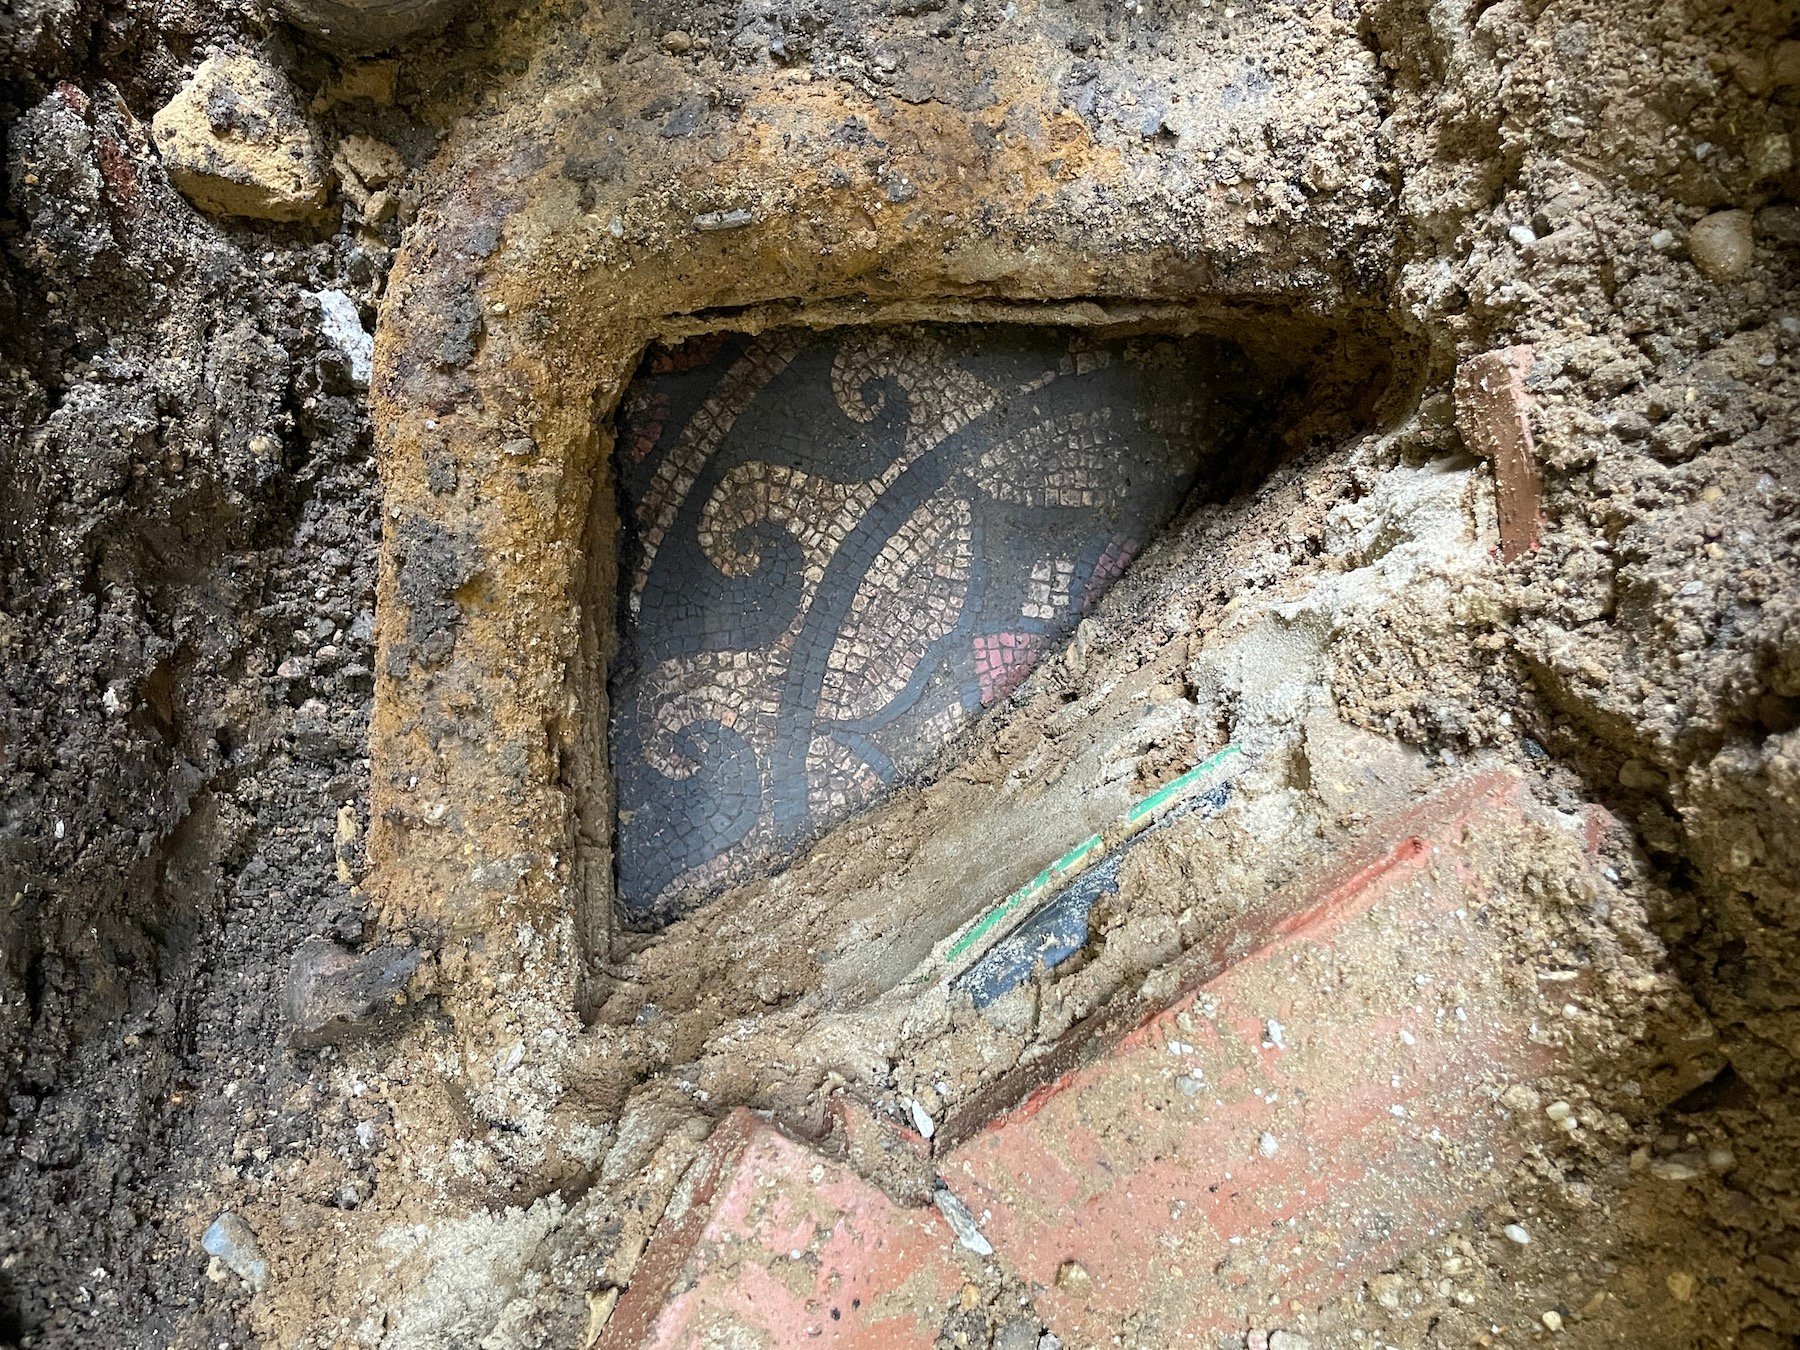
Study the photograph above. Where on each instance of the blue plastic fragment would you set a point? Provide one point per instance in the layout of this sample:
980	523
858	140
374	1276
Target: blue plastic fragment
1058	928
1051	935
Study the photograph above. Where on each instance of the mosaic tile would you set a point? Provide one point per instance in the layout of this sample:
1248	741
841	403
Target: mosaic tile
842	546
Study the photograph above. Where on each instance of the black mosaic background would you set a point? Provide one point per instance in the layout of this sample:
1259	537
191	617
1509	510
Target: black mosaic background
841	546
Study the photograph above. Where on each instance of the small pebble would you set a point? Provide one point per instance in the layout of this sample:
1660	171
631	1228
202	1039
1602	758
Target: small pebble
1268	1145
1784	64
1681	1285
1518	1234
1722	245
1553	1320
1770	156
714	221
1522	235
1672	1169
233	1242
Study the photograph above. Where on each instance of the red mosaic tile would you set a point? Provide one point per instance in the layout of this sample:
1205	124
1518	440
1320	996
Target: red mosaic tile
1309	1113
773	1244
1003	660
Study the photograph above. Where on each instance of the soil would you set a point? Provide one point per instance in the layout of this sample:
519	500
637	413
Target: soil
192	520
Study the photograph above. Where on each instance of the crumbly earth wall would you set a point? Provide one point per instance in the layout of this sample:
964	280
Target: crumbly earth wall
194	503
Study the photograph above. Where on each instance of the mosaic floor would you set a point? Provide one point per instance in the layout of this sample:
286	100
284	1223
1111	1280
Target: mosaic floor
842	546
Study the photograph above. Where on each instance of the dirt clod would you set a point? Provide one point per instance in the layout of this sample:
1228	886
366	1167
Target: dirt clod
234	141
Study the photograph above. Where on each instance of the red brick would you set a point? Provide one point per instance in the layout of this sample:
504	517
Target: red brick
1493	416
774	1244
1146	1168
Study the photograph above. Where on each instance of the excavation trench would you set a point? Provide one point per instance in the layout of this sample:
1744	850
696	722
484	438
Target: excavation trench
387	664
827	557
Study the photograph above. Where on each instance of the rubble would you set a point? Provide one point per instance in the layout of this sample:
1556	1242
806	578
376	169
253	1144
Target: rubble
193	510
236	143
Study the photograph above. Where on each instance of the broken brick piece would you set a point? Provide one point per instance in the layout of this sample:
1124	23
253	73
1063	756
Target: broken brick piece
769	1242
1493	416
1318	1108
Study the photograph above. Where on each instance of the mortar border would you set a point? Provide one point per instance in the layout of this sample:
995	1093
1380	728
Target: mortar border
517	314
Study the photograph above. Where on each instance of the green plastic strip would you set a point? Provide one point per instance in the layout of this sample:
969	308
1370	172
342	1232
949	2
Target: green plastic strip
1039	884
1076	858
1171	791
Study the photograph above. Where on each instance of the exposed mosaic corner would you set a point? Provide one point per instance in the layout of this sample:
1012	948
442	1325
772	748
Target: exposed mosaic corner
842	547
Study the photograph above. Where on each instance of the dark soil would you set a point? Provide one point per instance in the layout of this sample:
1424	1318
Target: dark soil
189	515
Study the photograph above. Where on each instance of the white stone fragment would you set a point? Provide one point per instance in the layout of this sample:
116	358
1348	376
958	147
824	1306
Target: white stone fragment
961	1222
343	325
921	1118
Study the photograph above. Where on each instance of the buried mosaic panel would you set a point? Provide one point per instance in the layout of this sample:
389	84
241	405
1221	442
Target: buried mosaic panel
841	547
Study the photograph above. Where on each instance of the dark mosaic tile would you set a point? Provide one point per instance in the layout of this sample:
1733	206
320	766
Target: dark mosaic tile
842	546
